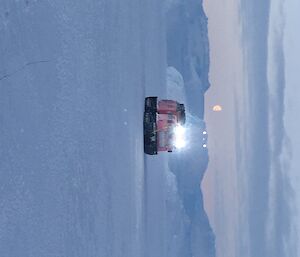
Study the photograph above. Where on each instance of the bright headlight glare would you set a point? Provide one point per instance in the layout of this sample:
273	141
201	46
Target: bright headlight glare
179	133
179	130
180	143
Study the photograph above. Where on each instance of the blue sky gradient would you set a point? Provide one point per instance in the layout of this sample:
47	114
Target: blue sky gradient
263	145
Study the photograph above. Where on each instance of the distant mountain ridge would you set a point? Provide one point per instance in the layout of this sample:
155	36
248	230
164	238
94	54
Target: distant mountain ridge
188	52
188	49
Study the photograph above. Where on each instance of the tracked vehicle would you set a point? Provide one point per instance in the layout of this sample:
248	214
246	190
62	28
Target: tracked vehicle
163	125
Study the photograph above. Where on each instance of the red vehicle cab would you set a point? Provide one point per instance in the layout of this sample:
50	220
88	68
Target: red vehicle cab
163	125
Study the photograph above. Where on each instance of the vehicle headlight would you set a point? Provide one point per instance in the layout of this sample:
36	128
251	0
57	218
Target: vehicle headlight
179	137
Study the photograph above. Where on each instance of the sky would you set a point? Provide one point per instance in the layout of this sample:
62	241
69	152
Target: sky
226	76
291	44
251	186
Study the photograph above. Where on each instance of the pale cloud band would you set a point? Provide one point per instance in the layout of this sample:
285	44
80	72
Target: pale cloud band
269	188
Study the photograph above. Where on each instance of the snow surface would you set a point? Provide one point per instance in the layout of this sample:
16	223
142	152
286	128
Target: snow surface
175	85
74	178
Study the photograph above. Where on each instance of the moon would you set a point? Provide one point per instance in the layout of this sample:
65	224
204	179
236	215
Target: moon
217	108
